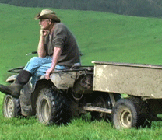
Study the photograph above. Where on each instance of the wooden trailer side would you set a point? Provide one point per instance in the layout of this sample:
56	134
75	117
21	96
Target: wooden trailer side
136	80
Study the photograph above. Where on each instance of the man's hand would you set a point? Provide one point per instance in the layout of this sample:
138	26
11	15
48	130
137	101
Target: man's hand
43	33
48	73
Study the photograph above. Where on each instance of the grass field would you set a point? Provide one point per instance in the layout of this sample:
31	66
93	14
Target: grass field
102	37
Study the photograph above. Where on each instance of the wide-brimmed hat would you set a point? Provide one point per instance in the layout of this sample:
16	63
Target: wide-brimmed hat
47	14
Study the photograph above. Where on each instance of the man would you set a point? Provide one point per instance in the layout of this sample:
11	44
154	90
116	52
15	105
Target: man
57	49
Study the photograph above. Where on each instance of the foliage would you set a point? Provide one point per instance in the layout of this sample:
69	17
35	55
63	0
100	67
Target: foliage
126	7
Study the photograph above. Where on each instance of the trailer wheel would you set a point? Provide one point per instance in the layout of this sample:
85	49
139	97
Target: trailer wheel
128	113
52	107
11	107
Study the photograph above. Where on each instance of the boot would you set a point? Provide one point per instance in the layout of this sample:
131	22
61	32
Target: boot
13	89
17	85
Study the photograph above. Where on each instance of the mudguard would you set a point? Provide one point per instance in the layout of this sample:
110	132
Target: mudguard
63	80
11	78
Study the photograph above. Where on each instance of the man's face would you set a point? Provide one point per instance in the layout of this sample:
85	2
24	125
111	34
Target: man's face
44	24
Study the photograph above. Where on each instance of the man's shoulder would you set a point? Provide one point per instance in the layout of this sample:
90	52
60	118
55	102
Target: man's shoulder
60	25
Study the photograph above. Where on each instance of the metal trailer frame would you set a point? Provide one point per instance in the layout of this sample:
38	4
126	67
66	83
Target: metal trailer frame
142	84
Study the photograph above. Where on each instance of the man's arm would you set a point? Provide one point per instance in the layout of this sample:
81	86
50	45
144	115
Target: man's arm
56	55
40	50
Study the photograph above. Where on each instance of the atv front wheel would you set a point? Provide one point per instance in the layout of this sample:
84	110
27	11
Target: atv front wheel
52	107
11	107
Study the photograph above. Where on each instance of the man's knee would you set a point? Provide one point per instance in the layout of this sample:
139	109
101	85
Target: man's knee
34	59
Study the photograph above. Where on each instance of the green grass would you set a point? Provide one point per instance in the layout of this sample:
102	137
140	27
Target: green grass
102	37
81	129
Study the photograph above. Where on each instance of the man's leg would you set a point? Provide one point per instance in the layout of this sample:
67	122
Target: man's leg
17	85
24	76
35	63
33	67
42	71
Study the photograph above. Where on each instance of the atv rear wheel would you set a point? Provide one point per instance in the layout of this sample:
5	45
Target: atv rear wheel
52	107
11	107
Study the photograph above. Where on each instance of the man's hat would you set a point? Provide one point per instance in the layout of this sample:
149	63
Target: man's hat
47	14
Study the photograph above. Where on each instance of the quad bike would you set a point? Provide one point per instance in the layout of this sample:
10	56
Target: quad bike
68	93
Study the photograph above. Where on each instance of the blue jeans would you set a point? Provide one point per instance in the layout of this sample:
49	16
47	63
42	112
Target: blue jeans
38	66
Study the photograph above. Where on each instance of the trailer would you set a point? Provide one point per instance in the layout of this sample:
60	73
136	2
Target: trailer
96	89
141	83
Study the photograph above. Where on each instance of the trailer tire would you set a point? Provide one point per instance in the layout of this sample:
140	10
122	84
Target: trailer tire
11	107
52	107
128	113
